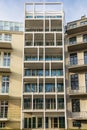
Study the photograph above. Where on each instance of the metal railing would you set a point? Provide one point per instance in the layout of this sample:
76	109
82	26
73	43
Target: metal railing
78	62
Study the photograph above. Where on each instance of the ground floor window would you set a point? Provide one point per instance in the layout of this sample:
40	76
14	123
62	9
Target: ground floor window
61	122
2	124
77	124
38	122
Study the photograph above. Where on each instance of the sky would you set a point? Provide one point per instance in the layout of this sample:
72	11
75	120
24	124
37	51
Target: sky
13	10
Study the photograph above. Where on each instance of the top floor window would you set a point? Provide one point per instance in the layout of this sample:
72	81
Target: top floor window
72	40
83	23
7	37
72	25
85	38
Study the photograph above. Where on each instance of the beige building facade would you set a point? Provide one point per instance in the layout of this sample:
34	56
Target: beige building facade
76	73
11	46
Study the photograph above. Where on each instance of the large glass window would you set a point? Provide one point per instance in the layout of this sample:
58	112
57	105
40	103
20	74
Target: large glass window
72	40
61	122
73	59
33	122
40	87
46	122
58	72
39	122
54	122
6	59
75	105
74	82
60	87
3	109
30	87
27	103
85	38
85	57
5	84
60	103
50	103
38	103
49	87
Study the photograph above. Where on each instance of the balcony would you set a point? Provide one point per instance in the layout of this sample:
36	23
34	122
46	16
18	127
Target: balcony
80	92
77	65
79	115
5	45
76	29
77	46
5	69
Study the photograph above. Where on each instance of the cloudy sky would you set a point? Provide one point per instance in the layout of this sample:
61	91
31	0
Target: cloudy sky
13	10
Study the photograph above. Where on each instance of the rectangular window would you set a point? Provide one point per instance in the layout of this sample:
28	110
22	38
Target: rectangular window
5	84
50	103
2	124
73	59
55	122
60	87
77	124
38	103
39	122
85	57
60	103
73	25
75	105
3	109
72	40
34	122
7	37
74	82
49	87
40	87
27	103
27	122
46	122
6	59
85	38
61	122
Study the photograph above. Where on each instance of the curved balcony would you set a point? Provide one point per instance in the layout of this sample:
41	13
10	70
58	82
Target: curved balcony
79	115
77	65
77	29
80	92
5	69
77	46
5	45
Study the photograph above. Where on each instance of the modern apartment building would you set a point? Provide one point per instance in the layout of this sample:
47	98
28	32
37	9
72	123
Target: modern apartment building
11	46
43	92
76	73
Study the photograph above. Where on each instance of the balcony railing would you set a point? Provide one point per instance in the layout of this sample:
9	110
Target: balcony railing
75	42
81	90
30	43
79	115
78	62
